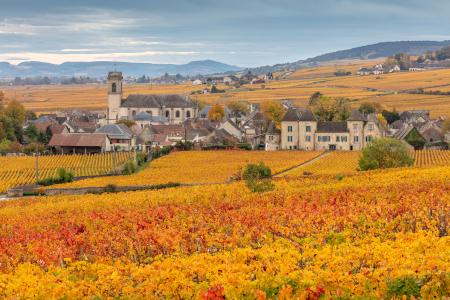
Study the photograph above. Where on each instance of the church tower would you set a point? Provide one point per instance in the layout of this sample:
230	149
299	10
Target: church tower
114	96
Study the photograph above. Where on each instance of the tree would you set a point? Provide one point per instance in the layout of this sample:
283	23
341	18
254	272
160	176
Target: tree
215	90
385	153
16	111
216	113
31	132
369	108
30	115
238	107
403	60
446	126
390	116
314	98
273	110
2	99
128	123
258	177
330	109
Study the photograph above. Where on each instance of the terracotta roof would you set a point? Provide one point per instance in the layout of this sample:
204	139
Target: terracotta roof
331	127
157	101
56	128
78	140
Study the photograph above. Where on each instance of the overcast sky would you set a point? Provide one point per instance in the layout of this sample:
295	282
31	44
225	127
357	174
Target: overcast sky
240	32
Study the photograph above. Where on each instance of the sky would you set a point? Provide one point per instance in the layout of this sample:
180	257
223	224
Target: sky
245	33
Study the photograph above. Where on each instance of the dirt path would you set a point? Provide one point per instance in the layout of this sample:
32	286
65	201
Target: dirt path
302	164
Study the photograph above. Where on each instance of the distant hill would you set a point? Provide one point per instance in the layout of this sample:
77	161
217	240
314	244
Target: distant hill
99	69
364	52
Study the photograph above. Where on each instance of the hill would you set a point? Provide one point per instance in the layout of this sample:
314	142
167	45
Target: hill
98	69
372	51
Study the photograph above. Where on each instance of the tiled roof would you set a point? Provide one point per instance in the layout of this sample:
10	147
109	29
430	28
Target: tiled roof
299	115
356	115
158	101
116	131
331	127
78	140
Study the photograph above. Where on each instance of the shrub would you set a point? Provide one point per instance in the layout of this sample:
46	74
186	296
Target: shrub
62	176
258	177
129	168
110	188
385	153
403	286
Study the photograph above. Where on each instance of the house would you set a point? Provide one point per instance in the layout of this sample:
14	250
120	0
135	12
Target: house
416	69
230	79
197	82
80	143
412	136
120	136
364	71
230	127
272	138
175	108
301	130
57	129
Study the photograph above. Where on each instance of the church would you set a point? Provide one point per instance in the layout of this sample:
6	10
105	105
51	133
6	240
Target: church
173	109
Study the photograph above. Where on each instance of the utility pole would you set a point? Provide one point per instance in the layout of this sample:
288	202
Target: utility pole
37	166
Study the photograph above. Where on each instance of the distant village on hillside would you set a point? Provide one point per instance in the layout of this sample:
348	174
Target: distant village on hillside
144	122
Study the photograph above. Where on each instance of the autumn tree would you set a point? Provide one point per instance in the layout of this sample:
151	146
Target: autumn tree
273	110
238	107
370	108
216	113
331	109
385	153
314	98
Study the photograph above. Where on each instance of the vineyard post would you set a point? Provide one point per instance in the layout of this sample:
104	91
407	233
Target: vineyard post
37	166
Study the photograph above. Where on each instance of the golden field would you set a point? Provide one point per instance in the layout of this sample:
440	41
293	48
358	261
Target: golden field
387	89
200	167
374	235
15	171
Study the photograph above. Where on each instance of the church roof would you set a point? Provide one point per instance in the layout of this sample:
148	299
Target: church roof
157	101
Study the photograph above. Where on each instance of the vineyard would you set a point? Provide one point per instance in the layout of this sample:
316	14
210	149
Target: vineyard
373	235
15	171
390	90
201	167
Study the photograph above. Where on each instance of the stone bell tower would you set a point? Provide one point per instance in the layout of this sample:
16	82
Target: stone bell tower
114	96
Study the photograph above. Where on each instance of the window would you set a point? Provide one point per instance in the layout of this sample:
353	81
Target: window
167	114
356	139
324	138
114	87
338	139
368	138
289	138
188	114
289	128
308	138
270	137
308	128
370	127
177	114
343	139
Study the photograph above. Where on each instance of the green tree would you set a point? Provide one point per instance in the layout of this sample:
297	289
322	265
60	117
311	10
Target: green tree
369	108
258	177
31	132
390	116
314	98
385	153
273	111
16	111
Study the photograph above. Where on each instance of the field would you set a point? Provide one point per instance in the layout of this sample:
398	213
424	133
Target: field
346	162
15	171
201	167
373	235
390	90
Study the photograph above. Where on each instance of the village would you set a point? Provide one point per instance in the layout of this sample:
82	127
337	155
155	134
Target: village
144	122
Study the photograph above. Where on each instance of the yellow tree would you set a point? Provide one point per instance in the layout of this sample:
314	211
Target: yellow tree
216	113
273	110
